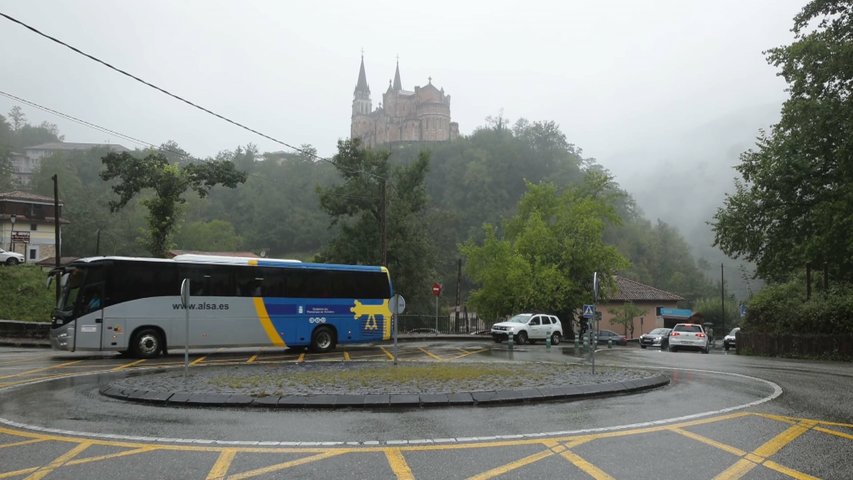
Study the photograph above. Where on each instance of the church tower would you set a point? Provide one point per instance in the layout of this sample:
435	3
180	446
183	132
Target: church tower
403	116
361	105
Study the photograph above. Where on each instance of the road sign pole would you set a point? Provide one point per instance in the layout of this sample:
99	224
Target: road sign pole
398	305
436	314
394	319
185	300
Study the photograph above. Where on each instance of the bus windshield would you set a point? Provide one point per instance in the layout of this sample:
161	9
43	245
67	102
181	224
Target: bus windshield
72	282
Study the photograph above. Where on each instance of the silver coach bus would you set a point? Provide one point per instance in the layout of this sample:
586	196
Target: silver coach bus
133	305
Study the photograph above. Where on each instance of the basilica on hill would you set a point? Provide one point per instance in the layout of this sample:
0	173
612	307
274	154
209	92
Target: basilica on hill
404	116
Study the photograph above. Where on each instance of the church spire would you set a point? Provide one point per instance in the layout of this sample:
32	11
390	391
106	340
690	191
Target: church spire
361	86
398	85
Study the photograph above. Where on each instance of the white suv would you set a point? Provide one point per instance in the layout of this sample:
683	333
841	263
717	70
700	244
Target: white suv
529	327
688	336
10	258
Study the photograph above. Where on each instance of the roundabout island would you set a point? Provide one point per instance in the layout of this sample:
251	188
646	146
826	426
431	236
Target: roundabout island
365	384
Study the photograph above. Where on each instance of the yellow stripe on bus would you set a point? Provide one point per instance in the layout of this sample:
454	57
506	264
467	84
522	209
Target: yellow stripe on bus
264	317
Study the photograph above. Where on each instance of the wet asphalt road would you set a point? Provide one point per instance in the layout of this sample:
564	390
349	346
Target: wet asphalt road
697	427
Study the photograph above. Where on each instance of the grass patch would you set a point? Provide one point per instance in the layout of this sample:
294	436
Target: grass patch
376	377
23	295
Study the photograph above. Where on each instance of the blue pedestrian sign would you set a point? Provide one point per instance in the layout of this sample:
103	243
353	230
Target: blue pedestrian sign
588	311
742	310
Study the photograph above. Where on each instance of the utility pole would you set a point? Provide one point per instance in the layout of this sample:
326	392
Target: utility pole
58	247
722	298
458	297
383	225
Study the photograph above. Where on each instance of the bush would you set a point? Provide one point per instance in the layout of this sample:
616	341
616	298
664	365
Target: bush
783	309
23	295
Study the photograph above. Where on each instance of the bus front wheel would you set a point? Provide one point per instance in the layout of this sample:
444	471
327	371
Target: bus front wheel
147	343
323	339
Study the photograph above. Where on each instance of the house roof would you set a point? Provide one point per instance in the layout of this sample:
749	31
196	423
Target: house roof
632	291
18	196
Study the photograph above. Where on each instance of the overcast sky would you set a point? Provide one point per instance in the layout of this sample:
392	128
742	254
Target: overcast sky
617	76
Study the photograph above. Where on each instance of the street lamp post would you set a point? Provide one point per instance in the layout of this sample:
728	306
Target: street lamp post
12	219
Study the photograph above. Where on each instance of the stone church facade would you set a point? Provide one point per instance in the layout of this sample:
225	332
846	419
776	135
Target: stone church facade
403	116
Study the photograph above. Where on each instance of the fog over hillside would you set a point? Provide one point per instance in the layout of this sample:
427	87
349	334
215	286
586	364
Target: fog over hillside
684	181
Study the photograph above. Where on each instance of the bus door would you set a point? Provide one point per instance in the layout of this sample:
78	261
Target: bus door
90	312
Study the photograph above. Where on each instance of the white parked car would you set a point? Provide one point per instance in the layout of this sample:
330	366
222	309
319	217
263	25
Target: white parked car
529	327
688	336
10	258
730	340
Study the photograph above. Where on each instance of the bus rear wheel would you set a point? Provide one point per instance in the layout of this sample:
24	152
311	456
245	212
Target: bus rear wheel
146	343
323	339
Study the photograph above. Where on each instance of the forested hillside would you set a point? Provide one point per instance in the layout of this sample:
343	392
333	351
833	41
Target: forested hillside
475	180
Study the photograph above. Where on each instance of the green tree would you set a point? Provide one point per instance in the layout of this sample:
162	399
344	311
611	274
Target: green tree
548	252
356	207
212	236
793	205
712	312
168	182
624	315
18	118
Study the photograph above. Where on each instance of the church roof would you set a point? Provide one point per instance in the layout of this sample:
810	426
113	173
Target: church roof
398	85
362	79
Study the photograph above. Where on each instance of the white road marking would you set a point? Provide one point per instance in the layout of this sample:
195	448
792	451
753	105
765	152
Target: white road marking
777	391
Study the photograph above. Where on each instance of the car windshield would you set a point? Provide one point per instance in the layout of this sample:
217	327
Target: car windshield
734	331
659	331
522	318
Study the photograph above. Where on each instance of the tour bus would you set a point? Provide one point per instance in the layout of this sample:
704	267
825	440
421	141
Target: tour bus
133	305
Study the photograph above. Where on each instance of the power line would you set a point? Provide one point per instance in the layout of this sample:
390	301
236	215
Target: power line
91	125
176	97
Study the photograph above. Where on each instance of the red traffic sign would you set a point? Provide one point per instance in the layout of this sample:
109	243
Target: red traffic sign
436	289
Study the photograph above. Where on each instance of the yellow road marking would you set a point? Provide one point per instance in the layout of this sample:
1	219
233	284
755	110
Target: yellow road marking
59	461
23	442
431	354
708	441
469	353
587	467
738	470
787	471
503	469
110	456
771	447
126	365
16	473
387	353
220	468
398	464
46	377
779	441
301	358
61	365
346	357
252	359
834	432
198	360
286	465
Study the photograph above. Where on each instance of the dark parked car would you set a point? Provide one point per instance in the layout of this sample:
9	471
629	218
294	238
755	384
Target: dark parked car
605	335
658	337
